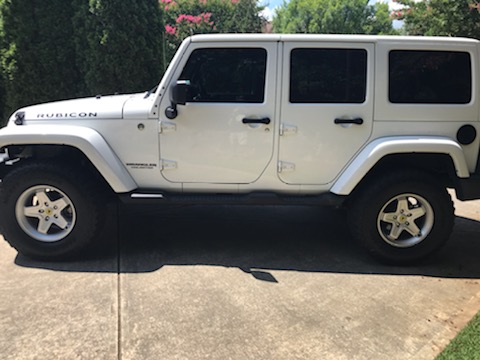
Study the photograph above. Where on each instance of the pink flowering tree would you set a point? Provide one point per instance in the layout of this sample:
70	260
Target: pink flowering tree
187	17
440	17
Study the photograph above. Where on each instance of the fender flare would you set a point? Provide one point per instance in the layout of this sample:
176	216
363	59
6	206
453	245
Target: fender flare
379	148
85	139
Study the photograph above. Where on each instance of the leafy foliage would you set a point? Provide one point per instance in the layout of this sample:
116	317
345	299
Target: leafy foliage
2	98
56	49
37	52
333	17
119	44
187	17
441	17
2	94
2	81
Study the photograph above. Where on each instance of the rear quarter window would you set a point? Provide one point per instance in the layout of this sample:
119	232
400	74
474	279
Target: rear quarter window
429	77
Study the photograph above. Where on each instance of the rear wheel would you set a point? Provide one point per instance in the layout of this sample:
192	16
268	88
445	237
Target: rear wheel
50	211
402	217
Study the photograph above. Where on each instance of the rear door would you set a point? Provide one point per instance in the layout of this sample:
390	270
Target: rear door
327	108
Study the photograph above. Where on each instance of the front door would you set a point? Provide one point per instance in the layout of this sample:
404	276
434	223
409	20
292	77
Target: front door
327	109
224	133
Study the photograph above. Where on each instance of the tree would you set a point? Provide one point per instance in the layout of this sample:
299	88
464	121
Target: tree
119	44
333	17
56	49
441	17
379	22
188	17
36	52
2	81
3	114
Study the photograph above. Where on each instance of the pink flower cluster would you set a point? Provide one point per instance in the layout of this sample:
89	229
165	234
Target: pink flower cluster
474	6
168	4
396	14
170	29
203	17
400	14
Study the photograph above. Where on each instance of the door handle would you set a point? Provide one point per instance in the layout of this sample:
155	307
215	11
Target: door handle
358	121
264	120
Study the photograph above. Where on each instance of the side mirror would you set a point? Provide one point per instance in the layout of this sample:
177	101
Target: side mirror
179	92
179	97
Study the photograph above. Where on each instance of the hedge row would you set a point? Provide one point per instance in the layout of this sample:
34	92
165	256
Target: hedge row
57	49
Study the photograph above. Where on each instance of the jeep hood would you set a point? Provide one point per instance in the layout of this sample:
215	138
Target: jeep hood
100	107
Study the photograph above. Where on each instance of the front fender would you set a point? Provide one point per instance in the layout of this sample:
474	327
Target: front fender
87	140
379	148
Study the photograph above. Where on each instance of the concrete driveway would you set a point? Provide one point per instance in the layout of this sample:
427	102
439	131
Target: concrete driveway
238	283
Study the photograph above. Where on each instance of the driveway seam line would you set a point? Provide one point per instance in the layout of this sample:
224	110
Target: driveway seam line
119	290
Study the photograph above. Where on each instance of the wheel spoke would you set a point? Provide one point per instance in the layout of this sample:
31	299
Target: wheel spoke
413	229
396	232
42	197
61	222
32	211
417	212
402	206
44	226
389	218
60	204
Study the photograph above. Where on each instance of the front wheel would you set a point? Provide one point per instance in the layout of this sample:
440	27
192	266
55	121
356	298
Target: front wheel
402	217
50	211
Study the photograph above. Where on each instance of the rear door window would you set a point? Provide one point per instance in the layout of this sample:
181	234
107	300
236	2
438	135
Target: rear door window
328	75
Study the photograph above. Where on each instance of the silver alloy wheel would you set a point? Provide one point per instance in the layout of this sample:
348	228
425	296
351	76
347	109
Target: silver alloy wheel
45	213
405	220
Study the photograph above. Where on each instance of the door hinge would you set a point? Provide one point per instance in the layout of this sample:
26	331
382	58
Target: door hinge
168	164
284	166
167	126
286	129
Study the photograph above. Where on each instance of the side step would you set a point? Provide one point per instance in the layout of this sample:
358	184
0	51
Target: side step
255	198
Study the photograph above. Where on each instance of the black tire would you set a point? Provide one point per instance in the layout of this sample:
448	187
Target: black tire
402	217
50	211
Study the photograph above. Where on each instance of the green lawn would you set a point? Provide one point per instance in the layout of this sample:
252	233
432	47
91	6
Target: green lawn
466	346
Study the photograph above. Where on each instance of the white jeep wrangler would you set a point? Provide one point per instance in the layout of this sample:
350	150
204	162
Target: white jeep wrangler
382	125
